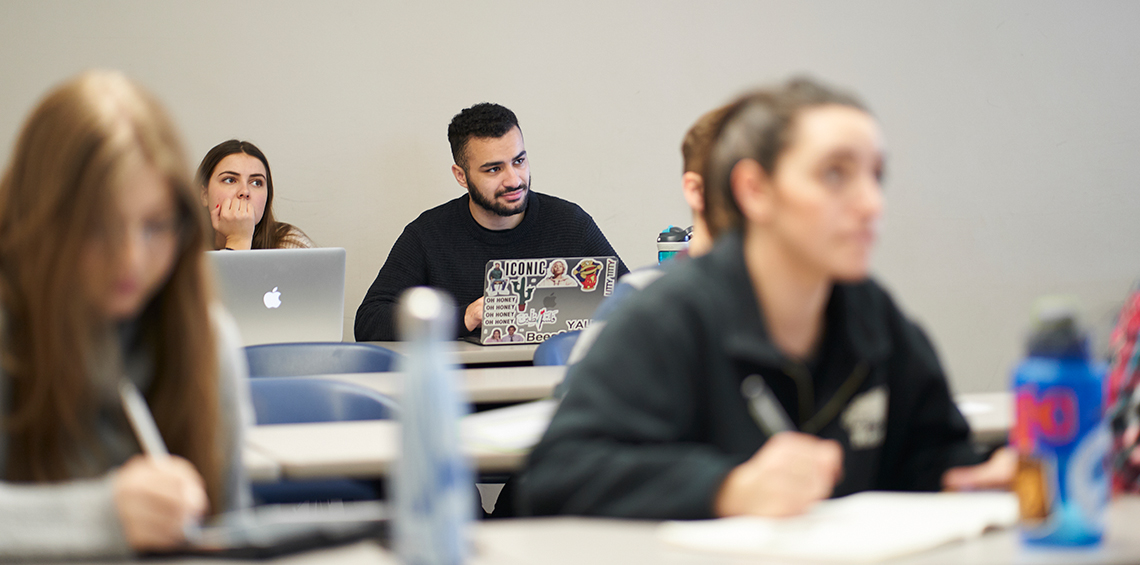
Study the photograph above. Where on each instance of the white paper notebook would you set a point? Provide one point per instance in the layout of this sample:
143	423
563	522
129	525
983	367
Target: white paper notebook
864	527
512	429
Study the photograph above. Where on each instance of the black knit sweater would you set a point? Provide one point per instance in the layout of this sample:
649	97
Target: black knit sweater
446	248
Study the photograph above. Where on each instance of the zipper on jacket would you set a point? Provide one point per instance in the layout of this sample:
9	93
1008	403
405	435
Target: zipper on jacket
805	390
838	400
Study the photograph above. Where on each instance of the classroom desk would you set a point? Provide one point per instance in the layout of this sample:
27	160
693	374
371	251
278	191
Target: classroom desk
367	449
259	467
352	449
990	415
559	541
481	385
467	353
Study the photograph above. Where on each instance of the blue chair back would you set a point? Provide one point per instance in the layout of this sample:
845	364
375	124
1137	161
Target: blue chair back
295	400
317	358
298	400
556	349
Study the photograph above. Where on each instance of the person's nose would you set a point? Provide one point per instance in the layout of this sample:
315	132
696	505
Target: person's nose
244	191
870	199
133	249
514	179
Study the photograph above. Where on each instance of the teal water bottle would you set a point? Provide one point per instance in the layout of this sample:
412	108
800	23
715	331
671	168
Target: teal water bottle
1059	434
433	480
671	241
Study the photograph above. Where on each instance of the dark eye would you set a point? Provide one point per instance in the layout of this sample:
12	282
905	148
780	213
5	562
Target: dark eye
493	170
227	180
257	183
159	228
834	176
520	160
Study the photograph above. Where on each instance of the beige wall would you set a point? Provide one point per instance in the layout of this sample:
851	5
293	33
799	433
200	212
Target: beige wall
1012	125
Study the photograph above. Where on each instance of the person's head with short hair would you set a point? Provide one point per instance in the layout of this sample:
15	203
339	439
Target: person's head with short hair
798	167
695	149
101	228
490	161
511	330
557	268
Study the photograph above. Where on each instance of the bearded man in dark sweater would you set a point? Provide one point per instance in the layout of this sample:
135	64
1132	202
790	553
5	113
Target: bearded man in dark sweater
448	246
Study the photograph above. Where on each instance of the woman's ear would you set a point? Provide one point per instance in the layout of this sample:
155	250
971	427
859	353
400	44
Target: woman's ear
205	197
753	190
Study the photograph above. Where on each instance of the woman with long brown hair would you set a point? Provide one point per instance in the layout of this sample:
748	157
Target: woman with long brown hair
102	278
237	189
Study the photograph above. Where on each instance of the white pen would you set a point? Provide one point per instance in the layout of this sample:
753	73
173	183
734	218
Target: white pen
142	422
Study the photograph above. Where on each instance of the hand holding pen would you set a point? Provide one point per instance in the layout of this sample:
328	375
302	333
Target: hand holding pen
160	498
788	474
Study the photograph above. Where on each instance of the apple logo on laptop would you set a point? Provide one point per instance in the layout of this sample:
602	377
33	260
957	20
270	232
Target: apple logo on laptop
272	299
550	301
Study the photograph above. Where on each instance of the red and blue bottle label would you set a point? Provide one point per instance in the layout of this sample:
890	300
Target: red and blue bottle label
1062	443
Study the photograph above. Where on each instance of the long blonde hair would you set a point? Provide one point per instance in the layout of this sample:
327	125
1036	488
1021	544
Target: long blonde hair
56	192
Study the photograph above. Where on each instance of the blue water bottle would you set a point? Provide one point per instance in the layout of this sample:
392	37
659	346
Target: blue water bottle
1059	434
433	480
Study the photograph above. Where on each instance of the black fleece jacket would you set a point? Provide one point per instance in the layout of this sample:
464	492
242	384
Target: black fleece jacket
447	249
655	418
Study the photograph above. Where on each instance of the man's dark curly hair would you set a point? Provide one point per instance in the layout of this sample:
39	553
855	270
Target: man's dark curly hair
481	120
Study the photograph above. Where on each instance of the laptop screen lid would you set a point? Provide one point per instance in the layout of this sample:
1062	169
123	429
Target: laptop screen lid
283	295
530	300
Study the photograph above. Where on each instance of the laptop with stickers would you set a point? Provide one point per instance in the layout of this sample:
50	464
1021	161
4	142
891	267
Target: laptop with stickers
283	295
530	300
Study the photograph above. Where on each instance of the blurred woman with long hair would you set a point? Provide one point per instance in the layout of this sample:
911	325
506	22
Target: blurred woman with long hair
102	278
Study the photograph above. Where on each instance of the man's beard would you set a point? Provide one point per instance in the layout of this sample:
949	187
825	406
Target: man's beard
495	207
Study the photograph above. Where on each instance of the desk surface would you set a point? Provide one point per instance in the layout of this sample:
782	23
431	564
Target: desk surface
990	415
496	441
367	449
469	353
353	449
481	385
260	467
557	541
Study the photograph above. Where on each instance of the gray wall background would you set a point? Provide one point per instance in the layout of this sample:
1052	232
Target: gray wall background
1013	127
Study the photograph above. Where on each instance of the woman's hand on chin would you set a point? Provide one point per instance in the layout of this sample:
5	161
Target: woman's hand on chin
234	219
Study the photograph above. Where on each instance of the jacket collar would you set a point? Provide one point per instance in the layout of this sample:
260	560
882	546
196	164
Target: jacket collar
851	309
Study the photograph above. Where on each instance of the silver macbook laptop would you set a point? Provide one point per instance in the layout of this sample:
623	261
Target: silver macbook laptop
283	295
530	300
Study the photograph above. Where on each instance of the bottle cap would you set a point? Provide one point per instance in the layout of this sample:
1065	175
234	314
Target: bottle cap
425	314
673	234
1056	330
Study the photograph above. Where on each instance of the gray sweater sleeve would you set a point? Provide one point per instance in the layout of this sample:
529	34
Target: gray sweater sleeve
237	408
78	518
72	519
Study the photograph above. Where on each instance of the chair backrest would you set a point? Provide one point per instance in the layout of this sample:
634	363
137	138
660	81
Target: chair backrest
317	358
556	349
299	400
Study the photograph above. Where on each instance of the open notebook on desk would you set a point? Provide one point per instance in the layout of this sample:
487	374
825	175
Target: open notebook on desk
865	527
